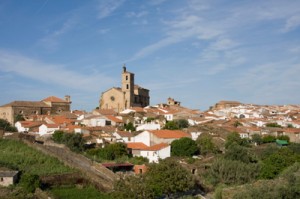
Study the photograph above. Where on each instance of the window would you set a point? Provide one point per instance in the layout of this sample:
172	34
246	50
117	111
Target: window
126	77
1	180
21	112
127	86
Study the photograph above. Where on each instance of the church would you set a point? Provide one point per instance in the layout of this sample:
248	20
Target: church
129	95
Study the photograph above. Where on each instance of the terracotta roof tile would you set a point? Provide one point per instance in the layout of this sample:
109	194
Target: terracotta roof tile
124	134
156	147
53	99
169	133
114	119
136	145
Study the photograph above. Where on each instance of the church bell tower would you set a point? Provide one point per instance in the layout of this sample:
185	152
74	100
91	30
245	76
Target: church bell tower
127	87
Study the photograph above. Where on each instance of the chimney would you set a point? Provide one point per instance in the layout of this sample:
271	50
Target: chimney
68	98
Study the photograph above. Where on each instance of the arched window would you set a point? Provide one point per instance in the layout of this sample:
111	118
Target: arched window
127	86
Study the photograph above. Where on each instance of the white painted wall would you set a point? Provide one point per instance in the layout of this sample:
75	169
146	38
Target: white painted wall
149	126
143	137
154	156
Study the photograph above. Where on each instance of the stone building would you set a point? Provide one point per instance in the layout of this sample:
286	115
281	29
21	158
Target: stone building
8	178
47	106
129	95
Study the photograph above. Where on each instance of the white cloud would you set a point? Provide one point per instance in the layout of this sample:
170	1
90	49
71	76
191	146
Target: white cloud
51	73
292	23
51	40
107	7
137	14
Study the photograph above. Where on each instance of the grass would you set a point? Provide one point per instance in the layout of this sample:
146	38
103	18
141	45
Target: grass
78	193
17	155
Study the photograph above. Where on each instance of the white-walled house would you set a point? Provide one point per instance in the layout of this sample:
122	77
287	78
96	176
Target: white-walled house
156	152
48	129
154	137
148	126
123	136
26	126
153	153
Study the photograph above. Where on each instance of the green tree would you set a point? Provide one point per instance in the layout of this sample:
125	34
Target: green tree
6	126
273	125
184	147
239	153
234	137
129	127
58	136
237	123
269	139
277	162
283	137
132	187
29	182
182	123
256	138
19	117
232	172
74	141
206	145
171	125
168	177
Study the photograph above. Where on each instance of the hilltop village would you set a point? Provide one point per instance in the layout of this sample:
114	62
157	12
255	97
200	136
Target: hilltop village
147	132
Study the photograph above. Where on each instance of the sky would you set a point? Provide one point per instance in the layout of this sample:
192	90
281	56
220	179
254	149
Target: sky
196	51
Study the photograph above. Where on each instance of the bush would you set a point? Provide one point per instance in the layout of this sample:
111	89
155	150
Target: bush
184	147
29	182
269	139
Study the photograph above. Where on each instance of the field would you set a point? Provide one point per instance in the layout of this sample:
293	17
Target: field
77	193
17	155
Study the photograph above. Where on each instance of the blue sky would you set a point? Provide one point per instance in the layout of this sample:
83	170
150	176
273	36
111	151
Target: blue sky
196	51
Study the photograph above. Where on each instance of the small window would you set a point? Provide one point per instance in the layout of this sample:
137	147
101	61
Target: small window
1	180
127	86
126	77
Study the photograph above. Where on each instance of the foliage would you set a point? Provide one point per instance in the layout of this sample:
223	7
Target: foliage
168	177
234	137
273	125
184	147
284	137
237	123
182	123
290	126
58	136
76	193
129	127
295	147
29	182
288	186
162	179
239	153
269	139
17	155
256	138
277	162
6	126
110	152
176	124
232	172
132	187
206	145
171	125
74	141
138	160
19	117
149	119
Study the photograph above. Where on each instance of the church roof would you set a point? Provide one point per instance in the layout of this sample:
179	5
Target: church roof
53	99
25	104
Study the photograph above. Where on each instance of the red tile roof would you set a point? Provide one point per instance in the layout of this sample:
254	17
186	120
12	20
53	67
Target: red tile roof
113	118
53	99
125	134
156	147
169	133
136	145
